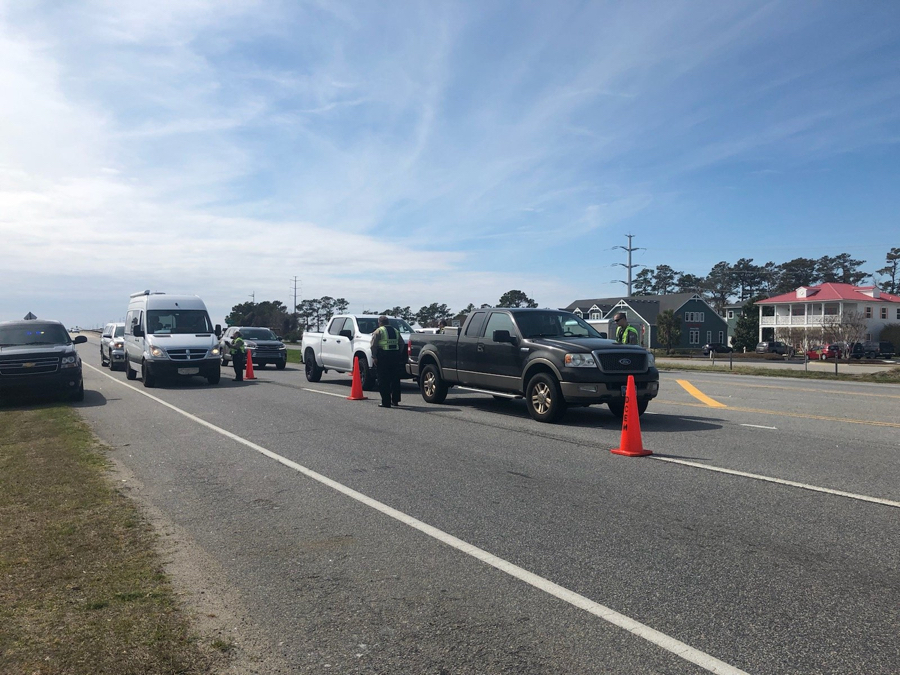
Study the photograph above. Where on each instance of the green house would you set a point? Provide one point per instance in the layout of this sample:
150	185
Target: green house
700	323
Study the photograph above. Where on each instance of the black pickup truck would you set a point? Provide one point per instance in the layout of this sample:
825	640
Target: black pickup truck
550	357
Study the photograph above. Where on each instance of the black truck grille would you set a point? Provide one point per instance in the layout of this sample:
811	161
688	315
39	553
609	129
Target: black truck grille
36	366
268	351
186	355
622	362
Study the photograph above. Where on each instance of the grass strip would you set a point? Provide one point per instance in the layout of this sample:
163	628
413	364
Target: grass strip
891	376
82	588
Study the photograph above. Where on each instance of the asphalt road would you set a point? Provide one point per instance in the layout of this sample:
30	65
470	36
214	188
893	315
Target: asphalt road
763	534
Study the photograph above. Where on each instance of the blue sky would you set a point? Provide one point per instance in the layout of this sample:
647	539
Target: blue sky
404	153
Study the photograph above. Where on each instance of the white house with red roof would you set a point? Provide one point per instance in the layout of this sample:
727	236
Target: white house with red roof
815	307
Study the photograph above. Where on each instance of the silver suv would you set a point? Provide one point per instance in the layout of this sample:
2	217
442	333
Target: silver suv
265	345
112	346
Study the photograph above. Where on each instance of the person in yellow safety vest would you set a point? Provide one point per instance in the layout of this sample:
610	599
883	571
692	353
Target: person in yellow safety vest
238	356
625	334
388	348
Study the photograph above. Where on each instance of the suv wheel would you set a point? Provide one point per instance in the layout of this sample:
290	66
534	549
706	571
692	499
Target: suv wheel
544	398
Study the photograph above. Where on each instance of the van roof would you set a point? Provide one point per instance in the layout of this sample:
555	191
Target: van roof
166	301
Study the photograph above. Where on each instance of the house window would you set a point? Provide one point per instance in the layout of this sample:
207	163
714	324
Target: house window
708	336
695	336
595	316
693	317
868	312
722	336
578	312
898	313
730	313
884	312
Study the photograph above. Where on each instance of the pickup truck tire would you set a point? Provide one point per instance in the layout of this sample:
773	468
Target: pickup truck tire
281	365
367	376
432	385
224	360
544	398
313	371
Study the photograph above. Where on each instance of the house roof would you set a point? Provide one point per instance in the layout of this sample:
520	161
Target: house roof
831	292
647	306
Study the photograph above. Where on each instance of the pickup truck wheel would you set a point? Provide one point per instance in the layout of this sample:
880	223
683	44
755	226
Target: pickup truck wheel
224	360
432	386
130	373
544	398
367	376
313	372
281	365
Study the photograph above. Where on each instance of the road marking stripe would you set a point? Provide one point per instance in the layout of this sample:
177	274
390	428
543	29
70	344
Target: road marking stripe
780	481
759	426
670	644
327	393
831	392
782	413
699	395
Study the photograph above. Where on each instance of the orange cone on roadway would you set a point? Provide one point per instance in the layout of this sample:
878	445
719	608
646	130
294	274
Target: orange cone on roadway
249	374
630	445
356	390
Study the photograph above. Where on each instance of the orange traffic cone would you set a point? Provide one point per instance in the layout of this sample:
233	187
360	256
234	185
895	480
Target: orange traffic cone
630	445
249	374
356	392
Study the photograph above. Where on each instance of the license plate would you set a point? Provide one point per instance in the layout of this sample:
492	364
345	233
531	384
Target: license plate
188	371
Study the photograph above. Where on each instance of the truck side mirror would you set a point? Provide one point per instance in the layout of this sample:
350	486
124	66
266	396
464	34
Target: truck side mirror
218	331
604	335
503	336
347	333
137	331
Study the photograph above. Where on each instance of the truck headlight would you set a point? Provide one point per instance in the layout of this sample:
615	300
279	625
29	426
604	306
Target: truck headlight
580	361
214	351
651	360
118	345
157	352
69	362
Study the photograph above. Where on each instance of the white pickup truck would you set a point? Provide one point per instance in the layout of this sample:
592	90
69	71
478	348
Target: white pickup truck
346	338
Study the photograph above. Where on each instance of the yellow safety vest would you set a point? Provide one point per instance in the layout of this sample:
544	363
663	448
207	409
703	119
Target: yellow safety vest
385	341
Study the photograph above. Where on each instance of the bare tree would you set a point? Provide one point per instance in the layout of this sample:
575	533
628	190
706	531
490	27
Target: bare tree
845	329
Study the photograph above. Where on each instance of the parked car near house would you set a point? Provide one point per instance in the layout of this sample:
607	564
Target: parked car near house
832	351
812	353
717	347
767	347
886	350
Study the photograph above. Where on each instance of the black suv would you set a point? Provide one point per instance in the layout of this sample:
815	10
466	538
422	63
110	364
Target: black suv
265	346
39	357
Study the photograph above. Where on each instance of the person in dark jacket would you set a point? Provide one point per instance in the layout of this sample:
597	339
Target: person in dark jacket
388	348
238	356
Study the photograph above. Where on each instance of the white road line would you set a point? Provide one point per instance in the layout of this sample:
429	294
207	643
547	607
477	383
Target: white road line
670	644
759	426
780	481
319	391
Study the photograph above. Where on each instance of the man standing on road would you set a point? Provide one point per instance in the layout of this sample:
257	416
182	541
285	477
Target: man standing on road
386	352
625	334
238	356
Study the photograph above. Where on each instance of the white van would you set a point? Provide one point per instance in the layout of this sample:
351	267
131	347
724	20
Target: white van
170	335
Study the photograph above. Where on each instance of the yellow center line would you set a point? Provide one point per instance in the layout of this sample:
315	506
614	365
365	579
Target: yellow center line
781	413
699	395
810	389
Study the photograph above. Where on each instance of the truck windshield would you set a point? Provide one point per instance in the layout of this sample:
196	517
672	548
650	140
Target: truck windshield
368	324
258	334
33	334
172	321
120	331
553	324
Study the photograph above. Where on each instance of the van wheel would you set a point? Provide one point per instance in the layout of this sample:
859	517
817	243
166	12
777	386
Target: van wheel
130	373
544	398
432	385
313	371
147	375
213	378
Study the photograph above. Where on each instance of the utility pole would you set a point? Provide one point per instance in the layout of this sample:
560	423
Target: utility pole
296	284
253	297
628	266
